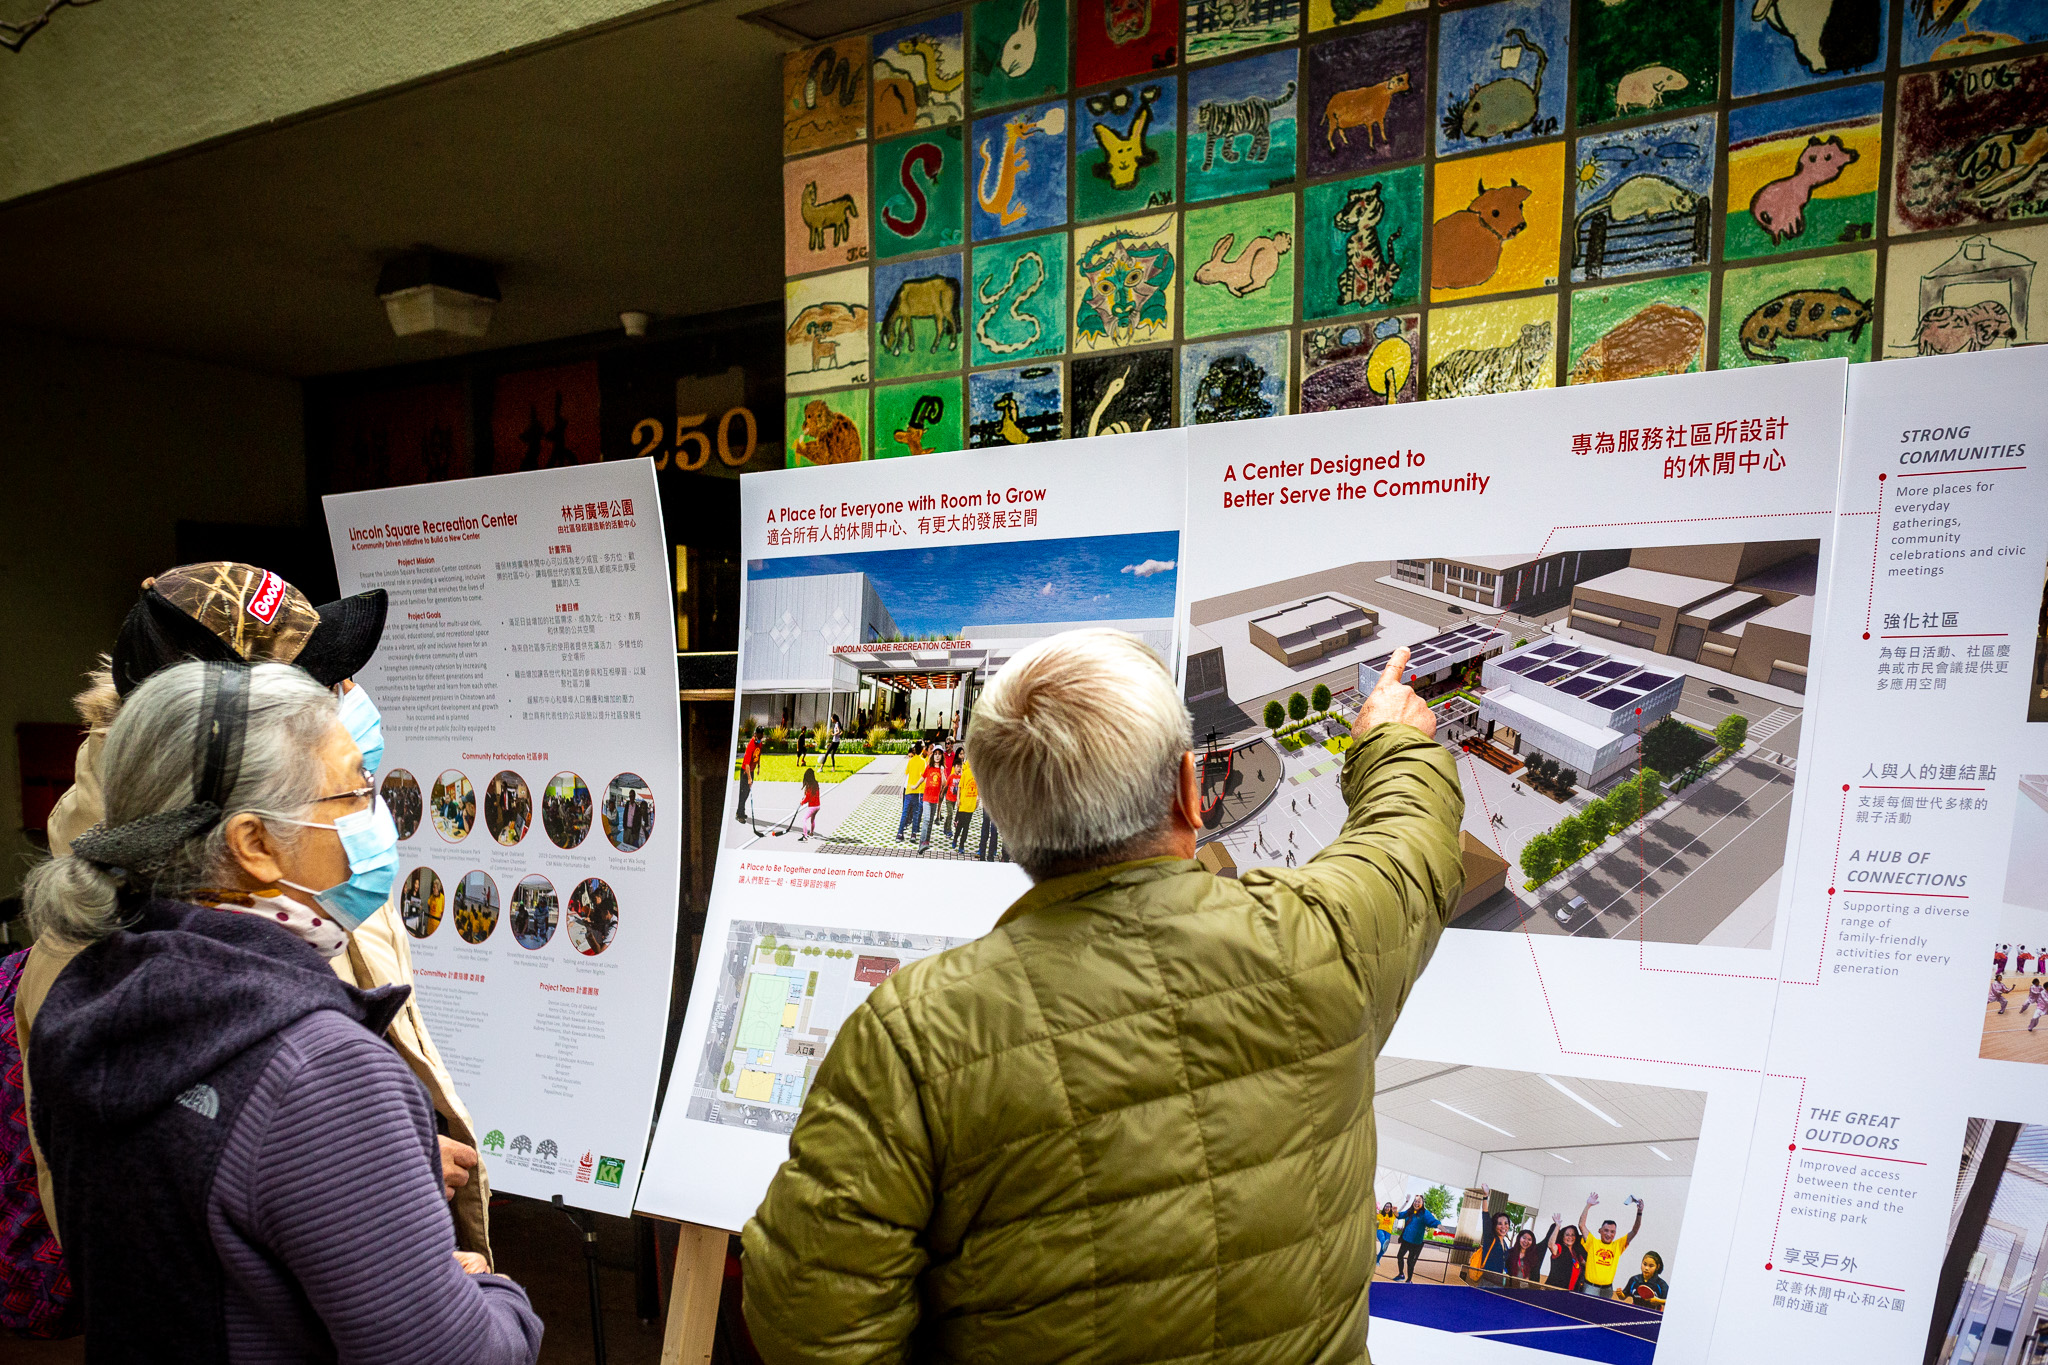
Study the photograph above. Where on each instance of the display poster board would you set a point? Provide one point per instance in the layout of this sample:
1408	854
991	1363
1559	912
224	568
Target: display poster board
1898	1191
881	593
1584	578
1744	679
528	684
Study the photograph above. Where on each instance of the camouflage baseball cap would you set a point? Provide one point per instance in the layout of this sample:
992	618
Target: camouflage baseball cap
227	611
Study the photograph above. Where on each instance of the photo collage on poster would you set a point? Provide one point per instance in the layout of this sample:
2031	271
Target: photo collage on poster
1016	221
452	806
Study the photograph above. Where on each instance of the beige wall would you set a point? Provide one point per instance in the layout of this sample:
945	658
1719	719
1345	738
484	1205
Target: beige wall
112	85
102	452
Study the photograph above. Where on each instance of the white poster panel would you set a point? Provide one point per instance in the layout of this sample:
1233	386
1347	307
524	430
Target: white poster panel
880	598
1591	581
1897	1201
528	683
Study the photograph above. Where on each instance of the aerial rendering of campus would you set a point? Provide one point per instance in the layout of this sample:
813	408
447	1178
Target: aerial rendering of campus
1626	723
888	651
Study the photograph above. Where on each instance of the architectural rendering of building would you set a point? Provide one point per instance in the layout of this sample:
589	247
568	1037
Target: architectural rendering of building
1522	583
1745	609
826	644
1307	630
1586	709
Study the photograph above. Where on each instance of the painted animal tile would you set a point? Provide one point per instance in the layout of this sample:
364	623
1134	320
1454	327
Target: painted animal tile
1121	40
1975	293
1237	380
1014	407
1640	56
1970	145
1362	244
1497	223
1126	283
1501	74
1115	394
824	96
919	203
1628	331
1018	305
1221	28
1367	99
1803	172
917	317
825	211
1020	51
1019	171
1503	347
1362	364
1937	30
1240	261
1329	14
921	76
1644	198
1814	309
825	331
919	418
827	428
1242	126
1126	148
1784	44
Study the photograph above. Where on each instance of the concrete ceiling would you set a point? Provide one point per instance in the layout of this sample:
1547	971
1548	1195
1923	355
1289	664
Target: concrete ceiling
632	168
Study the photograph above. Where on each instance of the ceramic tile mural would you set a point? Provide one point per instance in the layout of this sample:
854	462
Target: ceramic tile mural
1019	220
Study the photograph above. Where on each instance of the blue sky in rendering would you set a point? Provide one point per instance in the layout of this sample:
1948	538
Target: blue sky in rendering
942	588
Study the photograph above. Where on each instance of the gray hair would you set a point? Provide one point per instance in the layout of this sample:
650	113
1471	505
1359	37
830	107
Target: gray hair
1076	747
150	766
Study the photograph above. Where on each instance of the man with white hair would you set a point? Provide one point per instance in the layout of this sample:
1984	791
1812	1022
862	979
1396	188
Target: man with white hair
1134	1121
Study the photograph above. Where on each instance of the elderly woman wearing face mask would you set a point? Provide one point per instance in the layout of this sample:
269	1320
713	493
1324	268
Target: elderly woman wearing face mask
242	1168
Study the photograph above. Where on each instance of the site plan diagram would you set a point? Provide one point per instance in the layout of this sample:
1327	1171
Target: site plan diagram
783	992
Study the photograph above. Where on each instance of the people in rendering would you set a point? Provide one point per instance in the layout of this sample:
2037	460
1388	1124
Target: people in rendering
1416	1221
1385	1232
1999	990
2037	1004
832	745
913	793
1998	961
966	798
1036	1146
813	798
1603	1249
1494	1249
1525	1261
750	762
1646	1288
934	793
1567	1257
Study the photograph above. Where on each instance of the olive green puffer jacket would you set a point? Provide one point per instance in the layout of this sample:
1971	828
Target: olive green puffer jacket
1131	1123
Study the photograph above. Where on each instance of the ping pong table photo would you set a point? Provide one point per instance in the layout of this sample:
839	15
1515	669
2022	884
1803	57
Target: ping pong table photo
1555	1320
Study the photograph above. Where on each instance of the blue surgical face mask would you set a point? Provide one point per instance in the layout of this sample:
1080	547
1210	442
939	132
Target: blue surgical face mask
365	725
370	840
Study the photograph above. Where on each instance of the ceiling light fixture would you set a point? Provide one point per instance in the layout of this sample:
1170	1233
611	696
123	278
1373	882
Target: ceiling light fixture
633	322
1474	1118
1659	1153
432	291
1580	1100
1565	1159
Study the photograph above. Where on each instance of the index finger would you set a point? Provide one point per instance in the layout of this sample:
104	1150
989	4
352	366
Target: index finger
1390	676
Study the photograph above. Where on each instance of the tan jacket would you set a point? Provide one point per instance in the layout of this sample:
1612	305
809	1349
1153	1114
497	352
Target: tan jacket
379	954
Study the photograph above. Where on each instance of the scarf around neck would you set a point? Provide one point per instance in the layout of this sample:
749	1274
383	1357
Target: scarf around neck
322	934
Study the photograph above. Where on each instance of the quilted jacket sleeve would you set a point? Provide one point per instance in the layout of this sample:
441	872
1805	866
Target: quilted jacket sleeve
1391	878
834	1251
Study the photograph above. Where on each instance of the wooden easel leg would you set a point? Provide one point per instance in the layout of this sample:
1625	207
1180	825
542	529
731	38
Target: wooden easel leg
693	1298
